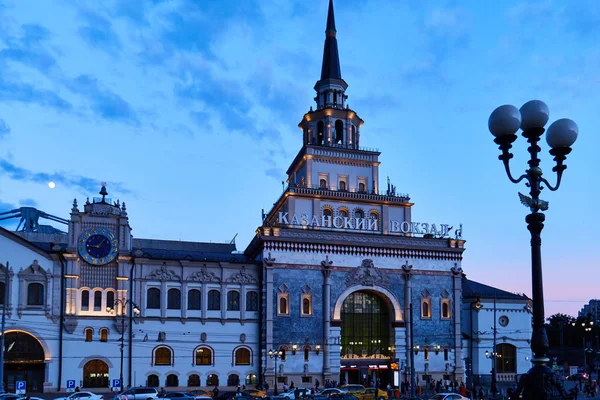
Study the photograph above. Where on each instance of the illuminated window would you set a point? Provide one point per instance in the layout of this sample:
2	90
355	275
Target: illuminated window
212	380
214	300
194	301
282	304
251	379
283	355
242	356
104	335
446	309
252	301
426	308
174	299
426	354
153	298
203	356
233	300
306	305
85	300
35	294
320	132
89	334
163	356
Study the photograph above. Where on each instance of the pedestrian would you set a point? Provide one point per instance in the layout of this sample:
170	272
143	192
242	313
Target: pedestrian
215	392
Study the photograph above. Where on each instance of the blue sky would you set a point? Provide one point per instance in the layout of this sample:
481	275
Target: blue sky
189	109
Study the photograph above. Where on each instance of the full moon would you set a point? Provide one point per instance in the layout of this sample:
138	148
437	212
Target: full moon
51	185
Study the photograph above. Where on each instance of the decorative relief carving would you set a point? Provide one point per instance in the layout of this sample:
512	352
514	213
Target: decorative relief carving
243	277
204	276
283	288
269	261
203	337
306	289
407	271
163	274
243	338
456	270
326	263
445	294
425	293
367	274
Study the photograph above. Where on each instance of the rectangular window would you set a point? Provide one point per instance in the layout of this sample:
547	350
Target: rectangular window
97	300
283	304
445	354
306	305
426	354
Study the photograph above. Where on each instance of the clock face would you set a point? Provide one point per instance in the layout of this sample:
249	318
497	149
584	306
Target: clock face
97	246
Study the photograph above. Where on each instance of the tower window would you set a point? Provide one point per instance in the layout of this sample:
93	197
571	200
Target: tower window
342	186
322	183
97	300
445	354
320	132
85	300
339	132
306	353
362	188
426	354
110	299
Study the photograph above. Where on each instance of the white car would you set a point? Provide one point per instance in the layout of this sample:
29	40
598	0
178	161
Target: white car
291	395
448	396
82	396
330	391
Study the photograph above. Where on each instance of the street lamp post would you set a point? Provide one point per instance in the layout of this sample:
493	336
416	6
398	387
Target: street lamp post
540	382
4	305
493	356
275	355
122	315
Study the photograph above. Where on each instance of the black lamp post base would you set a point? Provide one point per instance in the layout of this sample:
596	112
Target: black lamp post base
541	383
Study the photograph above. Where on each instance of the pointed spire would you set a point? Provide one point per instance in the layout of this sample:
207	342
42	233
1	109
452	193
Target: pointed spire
331	60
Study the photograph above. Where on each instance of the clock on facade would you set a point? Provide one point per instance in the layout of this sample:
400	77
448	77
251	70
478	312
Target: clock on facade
503	320
97	246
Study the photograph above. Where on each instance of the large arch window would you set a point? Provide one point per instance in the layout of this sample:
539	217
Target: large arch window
233	300
194	302
174	299
85	300
251	379
194	380
242	356
153	380
95	374
339	132
506	362
172	380
252	301
360	214
35	294
204	356
163	356
153	298
98	300
365	325
214	300
212	380
233	380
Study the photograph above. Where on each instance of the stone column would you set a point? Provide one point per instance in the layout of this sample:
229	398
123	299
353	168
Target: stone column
407	275
267	362
326	264
459	369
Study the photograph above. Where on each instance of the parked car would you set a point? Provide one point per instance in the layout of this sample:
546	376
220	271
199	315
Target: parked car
179	396
578	376
448	396
233	395
329	391
352	388
302	392
82	396
254	393
372	393
199	393
138	393
343	396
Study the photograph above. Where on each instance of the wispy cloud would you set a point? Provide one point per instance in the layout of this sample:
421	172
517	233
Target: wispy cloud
99	33
28	94
104	102
4	129
82	183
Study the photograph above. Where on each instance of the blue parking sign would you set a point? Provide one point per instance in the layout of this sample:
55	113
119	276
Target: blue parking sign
116	383
21	387
70	385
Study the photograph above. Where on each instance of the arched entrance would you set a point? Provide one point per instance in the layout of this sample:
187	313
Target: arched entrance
95	374
23	361
367	344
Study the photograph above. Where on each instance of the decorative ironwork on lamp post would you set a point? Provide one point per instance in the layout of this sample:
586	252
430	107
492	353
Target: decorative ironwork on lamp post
493	356
123	315
540	382
275	355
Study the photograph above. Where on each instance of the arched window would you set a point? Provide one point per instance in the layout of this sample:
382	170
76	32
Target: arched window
339	132
110	299
203	356
446	308
327	212
343	213
425	308
506	361
174	299
306	308
35	294
193	380
104	335
322	183
342	186
163	356
233	380
283	305
283	353
252	301
306	353
172	380
85	300
233	300
214	300
320	132
194	301
426	354
153	299
153	380
360	214
98	300
362	188
374	215
89	334
354	134
251	379
212	380
242	356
